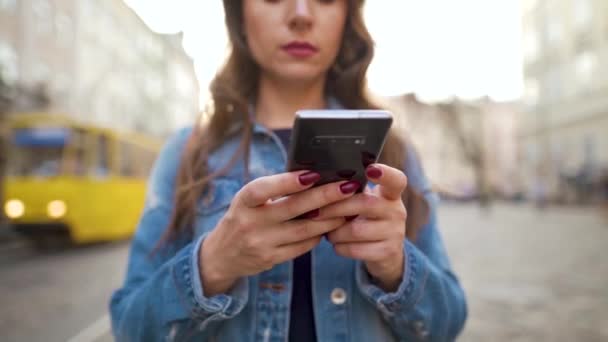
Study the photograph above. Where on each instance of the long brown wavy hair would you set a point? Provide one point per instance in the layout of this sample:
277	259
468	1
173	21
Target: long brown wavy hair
236	84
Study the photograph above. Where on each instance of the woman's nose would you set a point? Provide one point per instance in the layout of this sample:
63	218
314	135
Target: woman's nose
301	14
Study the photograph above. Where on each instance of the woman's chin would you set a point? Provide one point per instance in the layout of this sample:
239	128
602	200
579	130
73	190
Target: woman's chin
300	74
303	79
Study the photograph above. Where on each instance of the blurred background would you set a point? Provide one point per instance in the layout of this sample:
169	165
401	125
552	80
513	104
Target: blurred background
505	101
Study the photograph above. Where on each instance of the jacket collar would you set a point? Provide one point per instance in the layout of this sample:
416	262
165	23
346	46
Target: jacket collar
332	103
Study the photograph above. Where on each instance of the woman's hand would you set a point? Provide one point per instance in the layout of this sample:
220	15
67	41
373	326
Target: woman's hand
376	236
258	232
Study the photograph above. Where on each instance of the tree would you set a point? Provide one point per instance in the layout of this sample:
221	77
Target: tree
465	122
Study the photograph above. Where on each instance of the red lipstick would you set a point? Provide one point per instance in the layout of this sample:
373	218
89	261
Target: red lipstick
300	49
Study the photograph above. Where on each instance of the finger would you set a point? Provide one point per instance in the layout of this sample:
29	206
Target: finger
300	230
365	251
366	204
362	230
260	190
305	201
392	181
294	250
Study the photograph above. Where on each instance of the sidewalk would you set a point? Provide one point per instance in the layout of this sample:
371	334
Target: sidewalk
529	274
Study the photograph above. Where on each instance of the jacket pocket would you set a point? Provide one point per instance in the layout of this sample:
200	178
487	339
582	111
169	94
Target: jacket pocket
214	202
219	196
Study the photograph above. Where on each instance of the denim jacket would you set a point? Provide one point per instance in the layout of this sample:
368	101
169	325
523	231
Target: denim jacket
162	298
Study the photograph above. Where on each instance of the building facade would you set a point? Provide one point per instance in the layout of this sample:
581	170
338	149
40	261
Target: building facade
565	130
99	62
449	136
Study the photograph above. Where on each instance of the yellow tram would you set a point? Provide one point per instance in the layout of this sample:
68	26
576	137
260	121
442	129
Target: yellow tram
82	181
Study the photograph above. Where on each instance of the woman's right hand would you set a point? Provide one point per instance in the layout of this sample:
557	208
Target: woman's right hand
258	232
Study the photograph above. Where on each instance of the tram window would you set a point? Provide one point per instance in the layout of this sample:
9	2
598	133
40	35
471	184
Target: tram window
139	161
80	162
36	151
76	162
40	161
126	164
102	166
135	160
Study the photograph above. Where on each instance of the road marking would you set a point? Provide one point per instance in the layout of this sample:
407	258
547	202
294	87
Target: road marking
94	331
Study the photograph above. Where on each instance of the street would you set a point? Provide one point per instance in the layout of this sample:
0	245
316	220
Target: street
529	276
56	296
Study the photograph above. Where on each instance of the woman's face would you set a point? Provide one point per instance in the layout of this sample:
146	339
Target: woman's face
295	40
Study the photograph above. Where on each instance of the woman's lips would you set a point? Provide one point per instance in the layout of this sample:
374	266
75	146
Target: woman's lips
300	49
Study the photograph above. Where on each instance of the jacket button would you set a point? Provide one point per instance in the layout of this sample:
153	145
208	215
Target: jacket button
338	296
421	330
423	334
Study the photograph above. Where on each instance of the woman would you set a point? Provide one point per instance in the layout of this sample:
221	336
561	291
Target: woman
216	256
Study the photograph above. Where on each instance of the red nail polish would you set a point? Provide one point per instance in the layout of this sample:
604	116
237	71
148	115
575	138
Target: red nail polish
309	178
350	187
373	172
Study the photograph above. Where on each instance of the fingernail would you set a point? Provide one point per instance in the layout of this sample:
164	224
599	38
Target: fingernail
350	218
350	187
309	178
311	214
373	172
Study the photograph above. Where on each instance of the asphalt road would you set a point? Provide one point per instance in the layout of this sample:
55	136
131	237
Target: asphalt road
529	276
59	296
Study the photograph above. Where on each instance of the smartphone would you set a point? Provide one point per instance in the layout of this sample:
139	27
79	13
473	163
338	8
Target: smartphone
338	144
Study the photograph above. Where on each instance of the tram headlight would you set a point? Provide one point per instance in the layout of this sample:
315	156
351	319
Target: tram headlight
14	208
56	209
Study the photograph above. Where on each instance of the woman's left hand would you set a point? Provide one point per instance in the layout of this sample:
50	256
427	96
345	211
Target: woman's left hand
376	236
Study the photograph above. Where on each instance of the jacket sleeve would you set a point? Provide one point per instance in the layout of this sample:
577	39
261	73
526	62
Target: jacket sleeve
429	304
162	297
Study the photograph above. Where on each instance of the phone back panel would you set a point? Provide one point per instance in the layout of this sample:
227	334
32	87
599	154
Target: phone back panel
339	144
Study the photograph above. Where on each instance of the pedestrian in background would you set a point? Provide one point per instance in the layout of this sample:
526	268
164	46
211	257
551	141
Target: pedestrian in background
216	255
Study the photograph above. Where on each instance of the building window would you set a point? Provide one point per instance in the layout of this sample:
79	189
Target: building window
552	85
61	85
150	46
106	28
43	15
8	5
583	14
531	91
582	42
64	28
585	66
183	81
41	73
553	30
531	46
529	5
605	28
9	68
154	86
